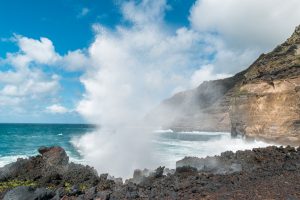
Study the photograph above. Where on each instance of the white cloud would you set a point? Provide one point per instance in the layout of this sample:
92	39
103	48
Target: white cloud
56	109
205	73
240	31
41	51
24	84
74	61
83	12
248	23
146	11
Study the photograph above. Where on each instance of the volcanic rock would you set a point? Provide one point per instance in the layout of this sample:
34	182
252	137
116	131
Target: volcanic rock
261	173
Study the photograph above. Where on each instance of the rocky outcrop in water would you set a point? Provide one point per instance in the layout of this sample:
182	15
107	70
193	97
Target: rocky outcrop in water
263	173
260	102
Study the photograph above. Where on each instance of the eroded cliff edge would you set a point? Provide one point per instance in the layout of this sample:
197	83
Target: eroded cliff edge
262	101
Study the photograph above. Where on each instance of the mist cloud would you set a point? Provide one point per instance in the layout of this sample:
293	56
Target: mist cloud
133	67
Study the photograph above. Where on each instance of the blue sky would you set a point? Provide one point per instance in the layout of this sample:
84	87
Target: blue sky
59	59
62	20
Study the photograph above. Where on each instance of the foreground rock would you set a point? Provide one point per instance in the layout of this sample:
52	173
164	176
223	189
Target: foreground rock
51	169
260	102
263	173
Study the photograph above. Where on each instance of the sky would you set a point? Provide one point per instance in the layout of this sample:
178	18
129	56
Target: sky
86	61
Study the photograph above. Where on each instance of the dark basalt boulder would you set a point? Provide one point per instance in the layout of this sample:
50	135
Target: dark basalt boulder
28	193
54	155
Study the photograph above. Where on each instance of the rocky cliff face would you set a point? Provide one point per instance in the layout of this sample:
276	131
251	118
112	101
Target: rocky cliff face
266	104
260	102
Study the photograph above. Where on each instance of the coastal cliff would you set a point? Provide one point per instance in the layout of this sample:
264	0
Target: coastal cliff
267	103
262	101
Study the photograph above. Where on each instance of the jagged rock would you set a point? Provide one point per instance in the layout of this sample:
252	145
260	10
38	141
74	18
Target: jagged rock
224	164
54	155
158	173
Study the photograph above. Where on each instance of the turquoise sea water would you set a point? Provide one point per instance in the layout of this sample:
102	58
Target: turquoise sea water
23	140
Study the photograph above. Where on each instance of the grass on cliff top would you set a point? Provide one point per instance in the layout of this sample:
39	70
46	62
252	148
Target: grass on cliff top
15	183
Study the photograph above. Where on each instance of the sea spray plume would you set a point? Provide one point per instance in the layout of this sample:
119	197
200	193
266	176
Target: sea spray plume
132	69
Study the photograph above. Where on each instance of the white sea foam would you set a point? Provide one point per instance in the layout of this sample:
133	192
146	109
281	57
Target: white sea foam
203	133
170	151
9	159
4	160
164	131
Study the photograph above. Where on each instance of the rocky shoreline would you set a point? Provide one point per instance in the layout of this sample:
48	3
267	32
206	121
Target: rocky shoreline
261	173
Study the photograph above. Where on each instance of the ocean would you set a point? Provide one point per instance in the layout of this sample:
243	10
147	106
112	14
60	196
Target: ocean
23	140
